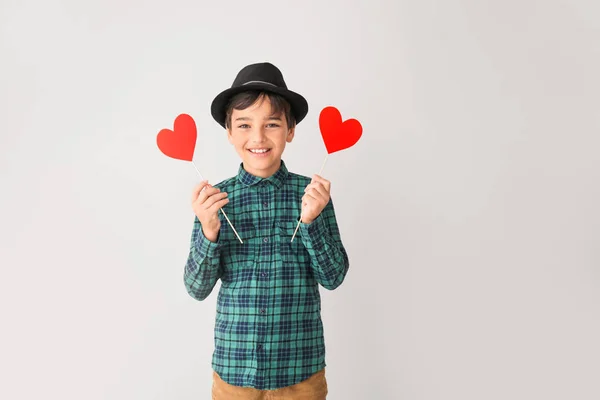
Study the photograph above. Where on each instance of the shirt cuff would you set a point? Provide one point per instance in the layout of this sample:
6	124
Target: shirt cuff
313	234
205	247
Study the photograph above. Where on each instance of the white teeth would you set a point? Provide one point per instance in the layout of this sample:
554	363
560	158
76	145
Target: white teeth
258	150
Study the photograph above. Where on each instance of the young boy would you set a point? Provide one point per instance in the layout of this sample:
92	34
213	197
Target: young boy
269	338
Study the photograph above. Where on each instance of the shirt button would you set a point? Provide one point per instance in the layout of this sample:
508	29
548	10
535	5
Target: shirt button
262	310
265	240
265	204
264	274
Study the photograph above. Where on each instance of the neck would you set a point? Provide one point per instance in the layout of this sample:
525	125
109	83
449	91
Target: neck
263	173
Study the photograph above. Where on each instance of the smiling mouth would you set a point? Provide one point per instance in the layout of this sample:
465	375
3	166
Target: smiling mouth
259	151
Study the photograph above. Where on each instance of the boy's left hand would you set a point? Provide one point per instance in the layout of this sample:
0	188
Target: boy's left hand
316	196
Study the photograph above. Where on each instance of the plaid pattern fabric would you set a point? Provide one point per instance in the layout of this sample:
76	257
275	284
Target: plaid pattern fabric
268	331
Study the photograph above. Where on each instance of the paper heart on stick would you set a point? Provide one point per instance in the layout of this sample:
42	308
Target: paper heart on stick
180	142
337	134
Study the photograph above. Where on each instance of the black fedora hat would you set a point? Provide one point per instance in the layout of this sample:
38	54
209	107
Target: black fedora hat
260	76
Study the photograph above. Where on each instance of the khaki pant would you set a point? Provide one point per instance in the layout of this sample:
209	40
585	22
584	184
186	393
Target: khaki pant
313	388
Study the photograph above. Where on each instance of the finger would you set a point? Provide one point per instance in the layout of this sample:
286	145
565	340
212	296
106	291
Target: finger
197	189
218	205
309	199
318	186
325	182
312	185
320	190
206	193
213	199
317	195
201	191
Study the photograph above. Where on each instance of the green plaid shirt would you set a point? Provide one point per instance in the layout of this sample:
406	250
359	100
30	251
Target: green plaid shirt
268	330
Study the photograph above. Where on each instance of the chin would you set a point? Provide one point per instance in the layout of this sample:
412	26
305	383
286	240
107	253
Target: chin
263	163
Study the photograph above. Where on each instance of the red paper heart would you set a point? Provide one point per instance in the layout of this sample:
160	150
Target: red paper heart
180	142
336	134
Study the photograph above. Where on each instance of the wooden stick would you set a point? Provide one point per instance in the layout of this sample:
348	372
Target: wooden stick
220	209
300	220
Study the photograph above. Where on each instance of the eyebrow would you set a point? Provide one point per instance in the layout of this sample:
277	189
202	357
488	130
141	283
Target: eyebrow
275	117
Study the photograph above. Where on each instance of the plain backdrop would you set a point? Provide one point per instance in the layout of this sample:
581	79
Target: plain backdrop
469	208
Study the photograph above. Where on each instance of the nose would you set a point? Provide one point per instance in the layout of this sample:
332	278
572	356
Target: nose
258	135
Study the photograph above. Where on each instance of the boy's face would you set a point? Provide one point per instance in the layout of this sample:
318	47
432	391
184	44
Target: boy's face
259	137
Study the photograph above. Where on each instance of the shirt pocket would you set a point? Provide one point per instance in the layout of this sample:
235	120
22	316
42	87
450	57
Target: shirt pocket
291	252
295	268
238	259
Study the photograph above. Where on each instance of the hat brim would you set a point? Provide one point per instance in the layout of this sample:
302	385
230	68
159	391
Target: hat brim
298	103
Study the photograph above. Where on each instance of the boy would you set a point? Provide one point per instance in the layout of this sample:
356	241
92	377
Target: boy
268	328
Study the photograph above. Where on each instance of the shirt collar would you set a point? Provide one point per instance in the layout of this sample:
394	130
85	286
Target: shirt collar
277	179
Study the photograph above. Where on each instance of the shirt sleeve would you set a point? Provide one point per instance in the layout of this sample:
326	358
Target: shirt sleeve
203	266
322	240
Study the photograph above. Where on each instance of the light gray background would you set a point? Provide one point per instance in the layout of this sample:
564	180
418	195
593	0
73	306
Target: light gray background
469	208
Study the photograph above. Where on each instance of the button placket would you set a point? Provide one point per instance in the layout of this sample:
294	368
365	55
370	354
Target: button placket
265	250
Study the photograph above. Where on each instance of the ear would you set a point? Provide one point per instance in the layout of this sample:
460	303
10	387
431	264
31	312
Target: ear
290	135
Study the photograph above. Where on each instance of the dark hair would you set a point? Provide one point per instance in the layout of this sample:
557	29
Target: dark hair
243	100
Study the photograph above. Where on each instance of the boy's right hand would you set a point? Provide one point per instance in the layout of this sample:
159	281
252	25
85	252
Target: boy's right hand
206	204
